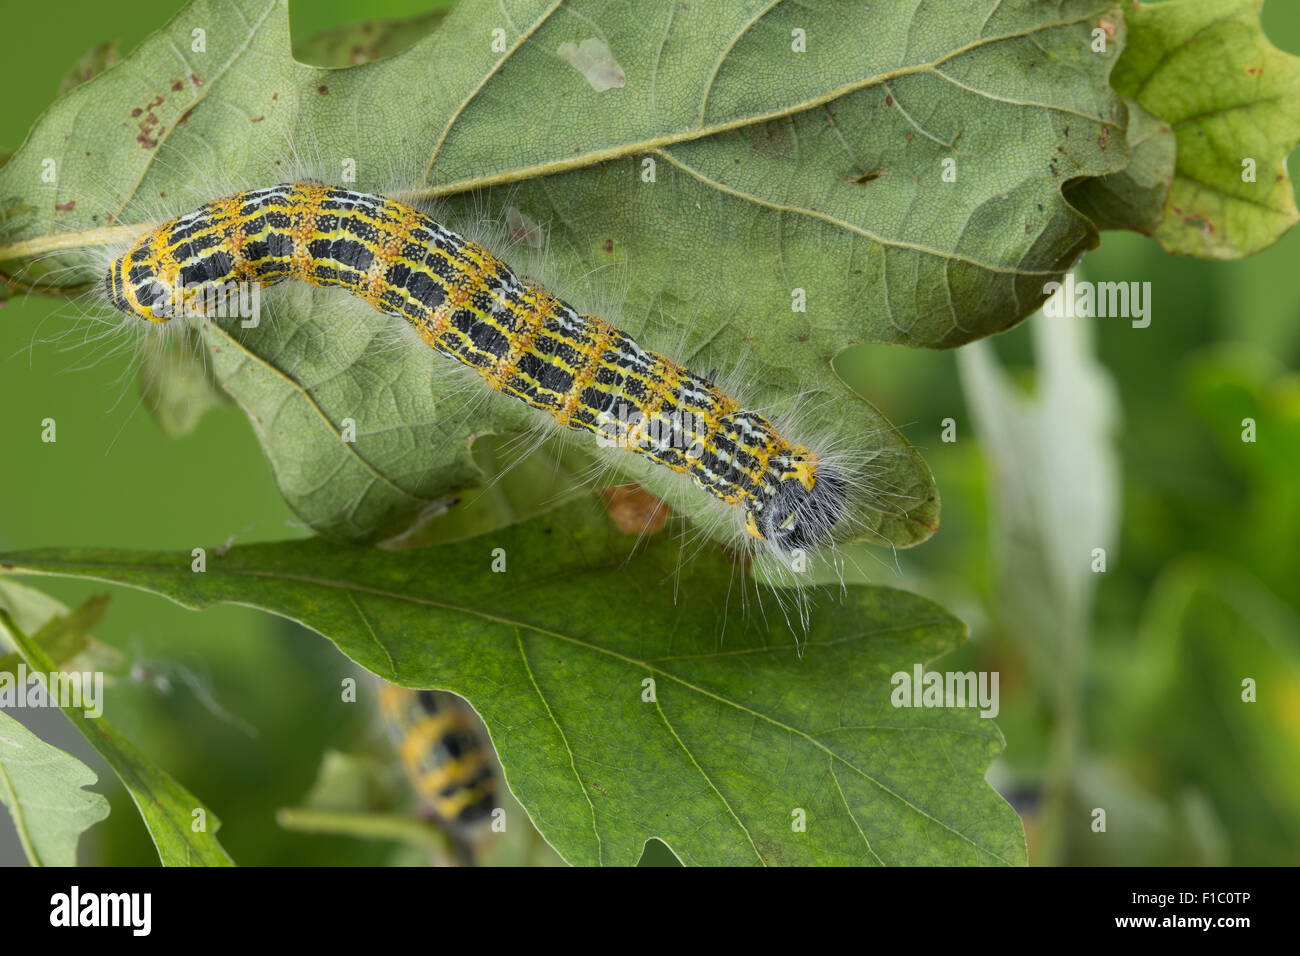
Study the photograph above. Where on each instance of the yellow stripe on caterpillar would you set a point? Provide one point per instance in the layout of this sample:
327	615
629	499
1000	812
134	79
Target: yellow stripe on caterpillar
522	340
443	751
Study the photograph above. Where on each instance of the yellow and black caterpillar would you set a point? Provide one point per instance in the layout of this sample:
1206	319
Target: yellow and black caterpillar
444	753
522	340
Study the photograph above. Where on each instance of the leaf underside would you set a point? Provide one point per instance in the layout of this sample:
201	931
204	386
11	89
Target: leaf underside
43	789
781	171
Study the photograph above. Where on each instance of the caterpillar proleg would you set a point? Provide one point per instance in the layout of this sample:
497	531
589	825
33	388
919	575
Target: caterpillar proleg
582	371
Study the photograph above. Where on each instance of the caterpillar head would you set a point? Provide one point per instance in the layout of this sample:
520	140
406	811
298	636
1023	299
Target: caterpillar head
803	510
137	286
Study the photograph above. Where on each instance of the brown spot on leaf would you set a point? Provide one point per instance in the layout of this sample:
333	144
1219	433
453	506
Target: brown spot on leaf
889	99
195	80
137	111
68	206
257	119
608	247
1254	70
859	178
323	90
176	86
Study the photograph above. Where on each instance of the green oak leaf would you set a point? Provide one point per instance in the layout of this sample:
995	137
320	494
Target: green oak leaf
43	789
1206	68
1135	197
762	188
619	717
166	807
1213	700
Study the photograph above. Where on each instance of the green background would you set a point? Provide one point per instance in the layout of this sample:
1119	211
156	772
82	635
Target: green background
1189	496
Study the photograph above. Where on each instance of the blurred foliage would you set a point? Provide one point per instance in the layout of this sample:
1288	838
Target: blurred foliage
1235	114
1201	596
183	830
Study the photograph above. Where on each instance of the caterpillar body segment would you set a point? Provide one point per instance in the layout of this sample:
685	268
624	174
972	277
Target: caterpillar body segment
581	370
443	752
